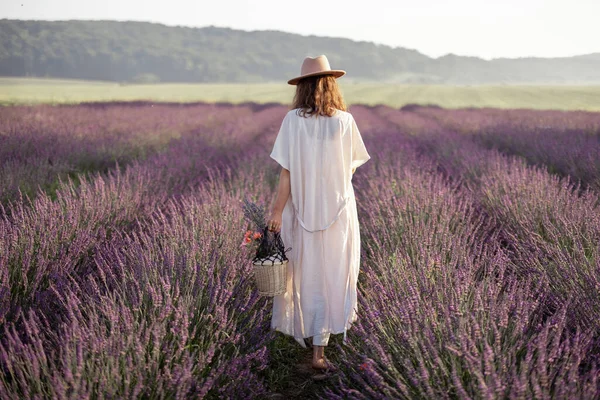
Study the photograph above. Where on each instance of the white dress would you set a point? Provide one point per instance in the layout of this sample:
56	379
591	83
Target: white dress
320	224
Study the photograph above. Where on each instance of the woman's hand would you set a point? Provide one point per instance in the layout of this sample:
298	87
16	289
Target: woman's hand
274	223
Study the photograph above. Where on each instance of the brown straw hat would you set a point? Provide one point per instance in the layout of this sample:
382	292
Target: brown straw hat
316	66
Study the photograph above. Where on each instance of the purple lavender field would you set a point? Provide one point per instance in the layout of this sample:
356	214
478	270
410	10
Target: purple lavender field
122	275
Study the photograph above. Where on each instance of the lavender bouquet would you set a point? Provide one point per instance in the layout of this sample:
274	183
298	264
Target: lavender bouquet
266	245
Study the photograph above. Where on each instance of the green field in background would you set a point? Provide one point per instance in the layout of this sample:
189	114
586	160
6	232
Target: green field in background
40	90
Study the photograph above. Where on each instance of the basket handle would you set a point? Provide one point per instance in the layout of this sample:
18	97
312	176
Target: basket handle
278	241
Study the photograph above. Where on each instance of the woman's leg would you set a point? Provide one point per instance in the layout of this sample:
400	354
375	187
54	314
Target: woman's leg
319	343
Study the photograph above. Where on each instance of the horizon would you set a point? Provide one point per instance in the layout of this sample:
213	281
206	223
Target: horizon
511	30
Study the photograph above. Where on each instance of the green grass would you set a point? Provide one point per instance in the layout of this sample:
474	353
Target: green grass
41	90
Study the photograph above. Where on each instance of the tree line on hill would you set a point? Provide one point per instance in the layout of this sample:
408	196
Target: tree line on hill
128	51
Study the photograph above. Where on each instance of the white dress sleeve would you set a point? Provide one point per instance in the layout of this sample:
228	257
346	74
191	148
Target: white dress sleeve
281	148
359	151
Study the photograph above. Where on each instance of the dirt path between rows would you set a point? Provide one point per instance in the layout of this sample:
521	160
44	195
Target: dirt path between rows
306	382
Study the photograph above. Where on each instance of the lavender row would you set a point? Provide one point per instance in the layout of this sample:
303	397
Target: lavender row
46	240
549	224
39	145
170	313
559	273
183	182
567	143
443	314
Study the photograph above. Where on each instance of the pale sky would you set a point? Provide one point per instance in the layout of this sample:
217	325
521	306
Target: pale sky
483	28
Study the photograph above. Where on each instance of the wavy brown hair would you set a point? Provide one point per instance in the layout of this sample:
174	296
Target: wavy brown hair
319	95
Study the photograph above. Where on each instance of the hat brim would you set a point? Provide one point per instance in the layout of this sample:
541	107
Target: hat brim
335	72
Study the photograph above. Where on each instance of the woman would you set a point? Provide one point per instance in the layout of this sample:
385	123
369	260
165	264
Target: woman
318	147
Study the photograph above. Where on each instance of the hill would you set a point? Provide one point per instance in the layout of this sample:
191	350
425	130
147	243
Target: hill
150	52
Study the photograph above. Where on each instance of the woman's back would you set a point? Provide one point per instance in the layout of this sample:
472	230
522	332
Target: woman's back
320	153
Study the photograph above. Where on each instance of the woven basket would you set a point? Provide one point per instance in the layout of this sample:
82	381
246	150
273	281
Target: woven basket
270	276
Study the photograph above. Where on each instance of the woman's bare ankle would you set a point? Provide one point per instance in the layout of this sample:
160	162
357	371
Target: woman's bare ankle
318	352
